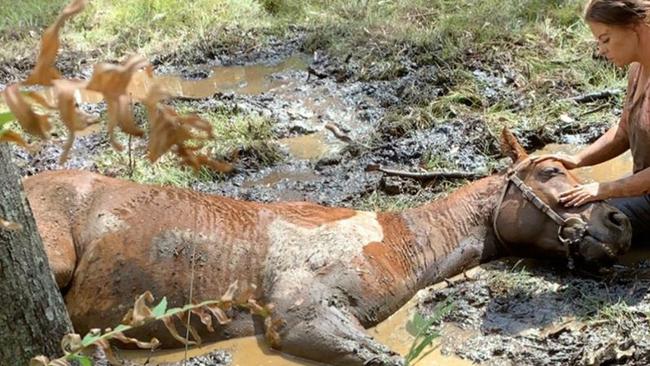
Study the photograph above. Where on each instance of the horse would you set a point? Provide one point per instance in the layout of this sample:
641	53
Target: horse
329	272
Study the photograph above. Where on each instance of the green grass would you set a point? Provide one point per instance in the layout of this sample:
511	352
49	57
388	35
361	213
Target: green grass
27	14
541	47
239	137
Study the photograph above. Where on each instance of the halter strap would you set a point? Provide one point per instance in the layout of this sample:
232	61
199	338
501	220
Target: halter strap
570	243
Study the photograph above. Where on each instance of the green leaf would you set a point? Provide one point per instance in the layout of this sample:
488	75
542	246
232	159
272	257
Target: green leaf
89	339
120	328
160	309
83	360
6	117
173	311
417	324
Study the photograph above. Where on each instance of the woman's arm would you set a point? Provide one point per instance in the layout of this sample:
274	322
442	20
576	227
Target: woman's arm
634	185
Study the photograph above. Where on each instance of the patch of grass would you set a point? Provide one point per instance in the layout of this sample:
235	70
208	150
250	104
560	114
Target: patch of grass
242	138
379	201
437	161
19	16
514	282
245	136
423	331
166	171
600	307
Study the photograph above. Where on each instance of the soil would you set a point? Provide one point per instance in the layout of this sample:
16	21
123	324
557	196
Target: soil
530	313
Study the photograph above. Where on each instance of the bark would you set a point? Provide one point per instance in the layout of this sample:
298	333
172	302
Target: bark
33	317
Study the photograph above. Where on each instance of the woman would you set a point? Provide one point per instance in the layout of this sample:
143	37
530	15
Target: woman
622	30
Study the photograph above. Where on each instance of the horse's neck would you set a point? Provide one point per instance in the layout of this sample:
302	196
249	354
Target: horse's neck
455	233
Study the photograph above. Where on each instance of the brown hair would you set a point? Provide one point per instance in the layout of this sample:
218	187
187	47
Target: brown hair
617	12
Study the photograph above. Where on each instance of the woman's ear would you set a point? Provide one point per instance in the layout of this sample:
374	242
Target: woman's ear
510	146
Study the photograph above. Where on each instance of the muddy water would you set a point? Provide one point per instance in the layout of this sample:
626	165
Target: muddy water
309	147
252	79
248	80
607	171
392	332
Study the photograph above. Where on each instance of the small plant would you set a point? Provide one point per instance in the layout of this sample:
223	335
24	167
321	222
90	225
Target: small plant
77	349
420	328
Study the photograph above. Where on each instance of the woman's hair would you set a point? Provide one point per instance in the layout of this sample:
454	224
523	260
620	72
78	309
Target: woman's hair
617	12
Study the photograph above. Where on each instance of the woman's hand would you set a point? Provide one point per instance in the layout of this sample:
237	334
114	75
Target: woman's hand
583	193
569	161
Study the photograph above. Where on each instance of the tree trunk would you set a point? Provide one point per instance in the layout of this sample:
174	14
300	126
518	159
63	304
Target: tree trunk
33	317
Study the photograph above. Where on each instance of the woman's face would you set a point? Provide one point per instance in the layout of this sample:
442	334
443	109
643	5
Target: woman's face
617	43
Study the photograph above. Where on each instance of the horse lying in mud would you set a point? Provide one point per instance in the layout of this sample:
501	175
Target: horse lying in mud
330	272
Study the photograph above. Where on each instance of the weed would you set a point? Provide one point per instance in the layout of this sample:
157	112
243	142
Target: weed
420	329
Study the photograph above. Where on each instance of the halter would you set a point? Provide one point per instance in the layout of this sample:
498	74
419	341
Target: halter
570	243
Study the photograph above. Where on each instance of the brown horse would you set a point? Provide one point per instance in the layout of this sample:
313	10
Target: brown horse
330	272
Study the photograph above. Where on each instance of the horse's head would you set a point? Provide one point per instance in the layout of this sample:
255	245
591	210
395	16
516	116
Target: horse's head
539	225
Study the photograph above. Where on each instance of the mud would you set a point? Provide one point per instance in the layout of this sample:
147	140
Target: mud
527	313
496	324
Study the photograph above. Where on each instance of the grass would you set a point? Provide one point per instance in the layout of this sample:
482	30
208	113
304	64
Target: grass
509	63
246	139
542	46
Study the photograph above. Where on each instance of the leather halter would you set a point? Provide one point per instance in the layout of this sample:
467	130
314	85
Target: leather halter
571	242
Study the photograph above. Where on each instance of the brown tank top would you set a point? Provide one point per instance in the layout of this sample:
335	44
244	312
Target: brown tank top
635	120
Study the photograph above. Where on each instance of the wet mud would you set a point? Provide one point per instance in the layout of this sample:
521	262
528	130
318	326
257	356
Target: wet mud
510	314
529	313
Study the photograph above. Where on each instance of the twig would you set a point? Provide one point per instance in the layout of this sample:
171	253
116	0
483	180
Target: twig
426	175
131	161
189	313
338	133
595	110
592	97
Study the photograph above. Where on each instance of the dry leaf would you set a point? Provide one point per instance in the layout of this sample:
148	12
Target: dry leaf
271	334
112	81
39	361
71	343
73	118
39	99
184	318
32	123
169	323
140	313
219	314
230	293
152	344
108	351
45	71
205	317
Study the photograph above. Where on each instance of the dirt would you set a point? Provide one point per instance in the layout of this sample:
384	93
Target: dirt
512	326
531	313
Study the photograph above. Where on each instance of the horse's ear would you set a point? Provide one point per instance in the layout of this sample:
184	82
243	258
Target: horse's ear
511	147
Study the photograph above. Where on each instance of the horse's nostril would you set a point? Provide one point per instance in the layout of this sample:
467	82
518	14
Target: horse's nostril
616	218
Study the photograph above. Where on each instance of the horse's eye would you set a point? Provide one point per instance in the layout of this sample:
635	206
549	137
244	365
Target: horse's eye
551	171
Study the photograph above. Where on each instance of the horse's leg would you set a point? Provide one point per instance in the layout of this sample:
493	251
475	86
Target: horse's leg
313	328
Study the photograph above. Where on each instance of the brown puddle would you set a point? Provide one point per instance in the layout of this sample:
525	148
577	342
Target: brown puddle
607	171
251	79
308	147
251	351
276	177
